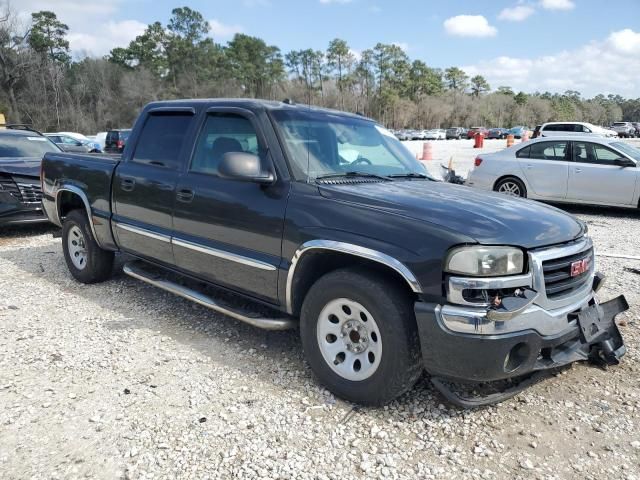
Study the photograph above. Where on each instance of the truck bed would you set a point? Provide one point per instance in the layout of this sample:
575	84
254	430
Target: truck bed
87	174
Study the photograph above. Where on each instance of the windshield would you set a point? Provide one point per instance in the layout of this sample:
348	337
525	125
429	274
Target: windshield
16	146
320	144
630	150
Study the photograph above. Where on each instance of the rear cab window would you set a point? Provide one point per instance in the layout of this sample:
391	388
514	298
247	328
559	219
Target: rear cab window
162	138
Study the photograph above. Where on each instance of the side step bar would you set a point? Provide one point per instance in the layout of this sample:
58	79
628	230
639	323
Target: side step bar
135	270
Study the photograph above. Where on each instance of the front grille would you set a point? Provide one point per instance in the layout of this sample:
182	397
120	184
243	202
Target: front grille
31	193
8	185
557	274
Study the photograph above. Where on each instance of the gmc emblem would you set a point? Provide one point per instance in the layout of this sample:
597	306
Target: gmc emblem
580	267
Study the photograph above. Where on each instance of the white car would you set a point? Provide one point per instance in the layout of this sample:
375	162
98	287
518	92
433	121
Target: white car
551	129
436	134
101	138
589	170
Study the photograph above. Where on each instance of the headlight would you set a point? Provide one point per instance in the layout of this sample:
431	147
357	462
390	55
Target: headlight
485	261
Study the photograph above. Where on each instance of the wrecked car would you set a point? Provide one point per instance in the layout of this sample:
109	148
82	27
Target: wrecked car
286	216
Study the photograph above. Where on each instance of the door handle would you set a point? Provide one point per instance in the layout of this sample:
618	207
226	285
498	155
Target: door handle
127	184
185	195
578	170
529	166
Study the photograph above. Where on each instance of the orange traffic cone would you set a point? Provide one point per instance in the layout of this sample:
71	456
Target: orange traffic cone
427	153
510	140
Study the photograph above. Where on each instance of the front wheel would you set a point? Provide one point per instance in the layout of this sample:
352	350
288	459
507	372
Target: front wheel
511	186
87	262
359	336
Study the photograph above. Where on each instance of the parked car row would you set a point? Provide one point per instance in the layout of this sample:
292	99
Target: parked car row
112	141
457	133
626	129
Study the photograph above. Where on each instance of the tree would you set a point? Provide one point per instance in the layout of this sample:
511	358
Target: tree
456	79
479	85
424	80
48	37
15	58
340	59
504	90
521	98
148	50
256	65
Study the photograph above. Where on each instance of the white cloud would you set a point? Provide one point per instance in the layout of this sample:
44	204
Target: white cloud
517	13
104	37
469	26
557	4
625	41
220	30
611	65
93	27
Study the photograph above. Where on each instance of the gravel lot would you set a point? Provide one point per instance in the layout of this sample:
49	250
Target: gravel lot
121	380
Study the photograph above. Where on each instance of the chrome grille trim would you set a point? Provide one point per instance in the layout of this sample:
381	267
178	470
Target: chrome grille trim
538	257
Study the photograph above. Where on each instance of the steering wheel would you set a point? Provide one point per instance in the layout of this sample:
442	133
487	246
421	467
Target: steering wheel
361	160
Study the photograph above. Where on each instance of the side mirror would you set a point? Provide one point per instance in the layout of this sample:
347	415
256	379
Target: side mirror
244	167
624	162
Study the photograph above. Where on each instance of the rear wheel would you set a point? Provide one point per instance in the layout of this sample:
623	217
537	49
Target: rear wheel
87	262
359	336
511	186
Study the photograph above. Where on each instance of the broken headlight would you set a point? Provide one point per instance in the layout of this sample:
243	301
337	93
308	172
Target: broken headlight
481	261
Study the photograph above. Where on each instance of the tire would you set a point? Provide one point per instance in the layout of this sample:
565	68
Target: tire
388	327
511	186
87	262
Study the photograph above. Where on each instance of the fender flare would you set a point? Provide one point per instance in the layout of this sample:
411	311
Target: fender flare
350	249
77	191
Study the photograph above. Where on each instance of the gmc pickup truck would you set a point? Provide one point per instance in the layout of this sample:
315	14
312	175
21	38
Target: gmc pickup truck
286	216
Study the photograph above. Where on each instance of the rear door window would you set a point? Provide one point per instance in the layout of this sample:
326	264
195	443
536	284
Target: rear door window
548	151
161	140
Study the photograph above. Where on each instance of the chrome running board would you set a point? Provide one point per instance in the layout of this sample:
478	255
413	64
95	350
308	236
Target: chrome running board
136	270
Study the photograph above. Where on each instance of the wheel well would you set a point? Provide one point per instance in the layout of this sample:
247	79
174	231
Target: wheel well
68	201
504	177
317	263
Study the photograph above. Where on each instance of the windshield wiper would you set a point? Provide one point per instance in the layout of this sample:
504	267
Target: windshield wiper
351	174
408	175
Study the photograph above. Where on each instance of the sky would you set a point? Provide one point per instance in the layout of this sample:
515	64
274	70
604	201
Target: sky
591	46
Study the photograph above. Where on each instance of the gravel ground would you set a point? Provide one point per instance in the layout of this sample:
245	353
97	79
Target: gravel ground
121	380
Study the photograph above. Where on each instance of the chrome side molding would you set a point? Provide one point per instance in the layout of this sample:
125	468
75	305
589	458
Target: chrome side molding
135	270
143	231
197	247
234	257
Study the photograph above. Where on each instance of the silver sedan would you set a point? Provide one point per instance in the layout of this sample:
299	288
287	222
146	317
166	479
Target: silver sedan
588	170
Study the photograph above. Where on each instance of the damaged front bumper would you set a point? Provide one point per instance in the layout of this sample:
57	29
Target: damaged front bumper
590	334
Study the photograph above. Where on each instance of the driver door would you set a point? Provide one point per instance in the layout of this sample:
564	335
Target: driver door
229	231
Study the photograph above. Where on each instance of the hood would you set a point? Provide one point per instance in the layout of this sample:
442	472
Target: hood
28	167
489	218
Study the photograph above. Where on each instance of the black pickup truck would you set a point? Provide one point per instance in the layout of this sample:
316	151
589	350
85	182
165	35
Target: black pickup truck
286	216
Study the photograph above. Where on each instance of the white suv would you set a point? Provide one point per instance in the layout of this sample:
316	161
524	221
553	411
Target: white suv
551	129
